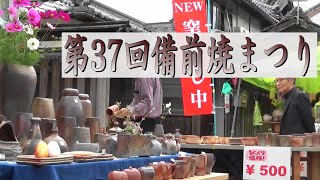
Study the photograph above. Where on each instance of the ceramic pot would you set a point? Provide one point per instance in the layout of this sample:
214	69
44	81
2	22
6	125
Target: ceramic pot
94	125
30	145
66	128
177	134
81	135
211	160
155	146
117	175
159	169
273	139
101	139
180	169
92	147
298	141
9	145
201	164
158	130
46	125
187	160
133	173
169	145
18	85
167	174
22	126
267	118
308	139
70	105
262	139
112	144
285	140
86	106
316	139
55	137
43	108
147	173
193	165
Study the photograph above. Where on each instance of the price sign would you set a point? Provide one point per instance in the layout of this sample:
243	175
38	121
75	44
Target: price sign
265	163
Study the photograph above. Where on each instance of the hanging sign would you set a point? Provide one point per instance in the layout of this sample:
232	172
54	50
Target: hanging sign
265	163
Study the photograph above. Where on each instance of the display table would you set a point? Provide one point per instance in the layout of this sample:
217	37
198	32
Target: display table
79	171
212	176
313	159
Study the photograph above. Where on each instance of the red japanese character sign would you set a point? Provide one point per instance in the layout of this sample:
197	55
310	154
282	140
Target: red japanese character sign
190	15
197	96
265	163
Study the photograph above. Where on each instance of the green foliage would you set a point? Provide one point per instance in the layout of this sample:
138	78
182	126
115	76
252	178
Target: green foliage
14	50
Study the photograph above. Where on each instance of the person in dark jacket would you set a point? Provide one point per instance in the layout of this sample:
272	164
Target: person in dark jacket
297	114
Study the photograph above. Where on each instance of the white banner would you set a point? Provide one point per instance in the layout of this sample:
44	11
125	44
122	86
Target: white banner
179	55
265	163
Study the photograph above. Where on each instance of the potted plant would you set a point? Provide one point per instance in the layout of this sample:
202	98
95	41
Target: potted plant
278	111
19	52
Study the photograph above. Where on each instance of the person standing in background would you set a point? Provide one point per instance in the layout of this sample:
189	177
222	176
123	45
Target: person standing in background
297	113
147	102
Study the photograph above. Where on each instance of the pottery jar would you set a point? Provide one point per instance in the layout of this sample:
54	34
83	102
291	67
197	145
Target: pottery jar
35	138
158	130
86	106
297	141
22	126
155	146
117	175
170	145
81	135
133	173
55	137
66	128
262	139
43	108
180	169
94	125
193	165
167	174
101	139
316	139
112	144
211	160
158	169
273	139
70	105
46	125
308	139
187	159
201	164
285	140
147	173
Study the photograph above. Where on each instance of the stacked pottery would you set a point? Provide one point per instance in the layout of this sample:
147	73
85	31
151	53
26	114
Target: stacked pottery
70	105
66	128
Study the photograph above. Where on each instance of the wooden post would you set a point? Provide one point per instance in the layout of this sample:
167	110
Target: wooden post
313	165
56	77
296	165
81	85
101	101
43	78
196	125
93	95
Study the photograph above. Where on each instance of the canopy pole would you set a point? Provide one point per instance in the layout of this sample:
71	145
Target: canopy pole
236	108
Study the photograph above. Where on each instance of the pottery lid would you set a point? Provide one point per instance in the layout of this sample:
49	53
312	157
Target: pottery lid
83	96
70	92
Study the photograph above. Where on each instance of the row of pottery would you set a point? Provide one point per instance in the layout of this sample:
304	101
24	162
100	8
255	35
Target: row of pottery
182	168
127	145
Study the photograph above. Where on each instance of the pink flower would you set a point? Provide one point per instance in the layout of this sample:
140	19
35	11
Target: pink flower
64	16
9	27
17	26
33	17
1	12
21	3
12	11
52	14
43	15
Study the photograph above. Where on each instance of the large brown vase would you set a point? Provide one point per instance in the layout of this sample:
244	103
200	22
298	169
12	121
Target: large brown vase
18	85
70	105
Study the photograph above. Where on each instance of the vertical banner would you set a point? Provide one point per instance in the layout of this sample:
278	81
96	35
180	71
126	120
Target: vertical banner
197	96
191	16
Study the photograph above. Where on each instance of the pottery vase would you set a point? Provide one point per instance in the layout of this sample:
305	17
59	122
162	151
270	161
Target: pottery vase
18	85
70	105
35	138
55	137
86	106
